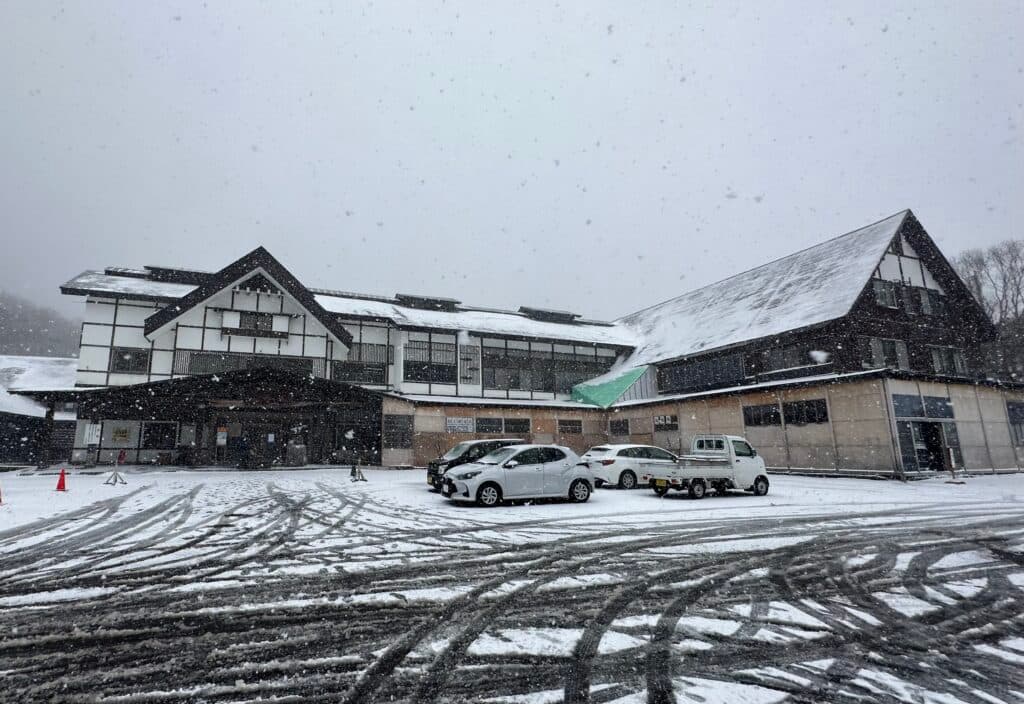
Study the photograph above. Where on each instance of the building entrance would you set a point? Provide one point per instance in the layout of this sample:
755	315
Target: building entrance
929	446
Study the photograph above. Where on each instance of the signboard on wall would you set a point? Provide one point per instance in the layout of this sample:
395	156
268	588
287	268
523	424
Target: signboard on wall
119	433
457	424
222	437
92	434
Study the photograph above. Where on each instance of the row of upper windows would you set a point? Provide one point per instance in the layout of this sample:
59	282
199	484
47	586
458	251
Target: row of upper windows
738	368
914	300
368	364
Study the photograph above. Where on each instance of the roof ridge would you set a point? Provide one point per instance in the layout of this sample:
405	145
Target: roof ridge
620	319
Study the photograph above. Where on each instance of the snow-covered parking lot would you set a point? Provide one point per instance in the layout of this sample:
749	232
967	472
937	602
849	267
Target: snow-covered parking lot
303	586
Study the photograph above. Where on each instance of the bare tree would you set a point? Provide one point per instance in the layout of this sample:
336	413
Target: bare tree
996	278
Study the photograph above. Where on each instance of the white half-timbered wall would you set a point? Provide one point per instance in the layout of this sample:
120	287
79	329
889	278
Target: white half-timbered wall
114	324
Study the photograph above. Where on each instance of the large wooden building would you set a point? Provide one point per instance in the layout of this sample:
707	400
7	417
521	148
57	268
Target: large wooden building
856	355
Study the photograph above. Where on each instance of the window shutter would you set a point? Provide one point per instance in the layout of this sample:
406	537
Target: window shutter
926	301
877	355
959	362
232	319
901	355
937	361
908	301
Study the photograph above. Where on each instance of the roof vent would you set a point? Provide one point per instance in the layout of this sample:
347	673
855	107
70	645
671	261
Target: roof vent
126	271
427	302
178	276
547	315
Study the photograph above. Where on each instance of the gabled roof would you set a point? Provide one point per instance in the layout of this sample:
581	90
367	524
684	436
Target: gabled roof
811	287
258	259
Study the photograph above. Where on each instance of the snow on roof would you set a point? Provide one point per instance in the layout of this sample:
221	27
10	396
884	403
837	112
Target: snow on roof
99	283
470	319
813	286
39	373
482	321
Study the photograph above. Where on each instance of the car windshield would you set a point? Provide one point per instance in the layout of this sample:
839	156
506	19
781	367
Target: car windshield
498	456
456	451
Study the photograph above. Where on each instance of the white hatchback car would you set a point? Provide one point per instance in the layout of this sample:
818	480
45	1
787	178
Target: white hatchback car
520	472
624	465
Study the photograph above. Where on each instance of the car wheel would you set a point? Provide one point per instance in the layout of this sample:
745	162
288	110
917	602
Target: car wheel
488	495
760	486
627	480
579	491
660	490
598	483
697	489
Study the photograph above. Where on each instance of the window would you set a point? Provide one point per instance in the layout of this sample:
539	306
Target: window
535	455
250	320
552	454
430	362
888	353
666	423
360	372
912	300
762	415
702	373
656	453
159	436
907	406
885	293
488	425
938	407
619	426
742	449
517	426
301	365
397	432
126	360
214	363
948	360
932	302
367	352
570	427
1015	414
805	412
219	362
710	444
793	356
512	368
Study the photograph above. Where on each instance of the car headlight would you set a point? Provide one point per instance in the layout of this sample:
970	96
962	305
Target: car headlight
468	475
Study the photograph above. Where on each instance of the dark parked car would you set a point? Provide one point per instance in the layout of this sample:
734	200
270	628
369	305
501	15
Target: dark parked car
468	451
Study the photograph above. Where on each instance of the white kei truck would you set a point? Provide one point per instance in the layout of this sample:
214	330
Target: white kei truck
719	462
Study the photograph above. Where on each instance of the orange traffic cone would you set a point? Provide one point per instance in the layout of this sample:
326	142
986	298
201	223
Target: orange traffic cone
62	482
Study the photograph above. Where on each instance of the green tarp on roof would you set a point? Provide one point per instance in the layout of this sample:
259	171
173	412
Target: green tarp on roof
606	393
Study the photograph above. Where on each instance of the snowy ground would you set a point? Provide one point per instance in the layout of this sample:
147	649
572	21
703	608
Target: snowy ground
301	586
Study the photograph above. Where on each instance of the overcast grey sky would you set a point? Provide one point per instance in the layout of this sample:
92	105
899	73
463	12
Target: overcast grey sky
593	156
